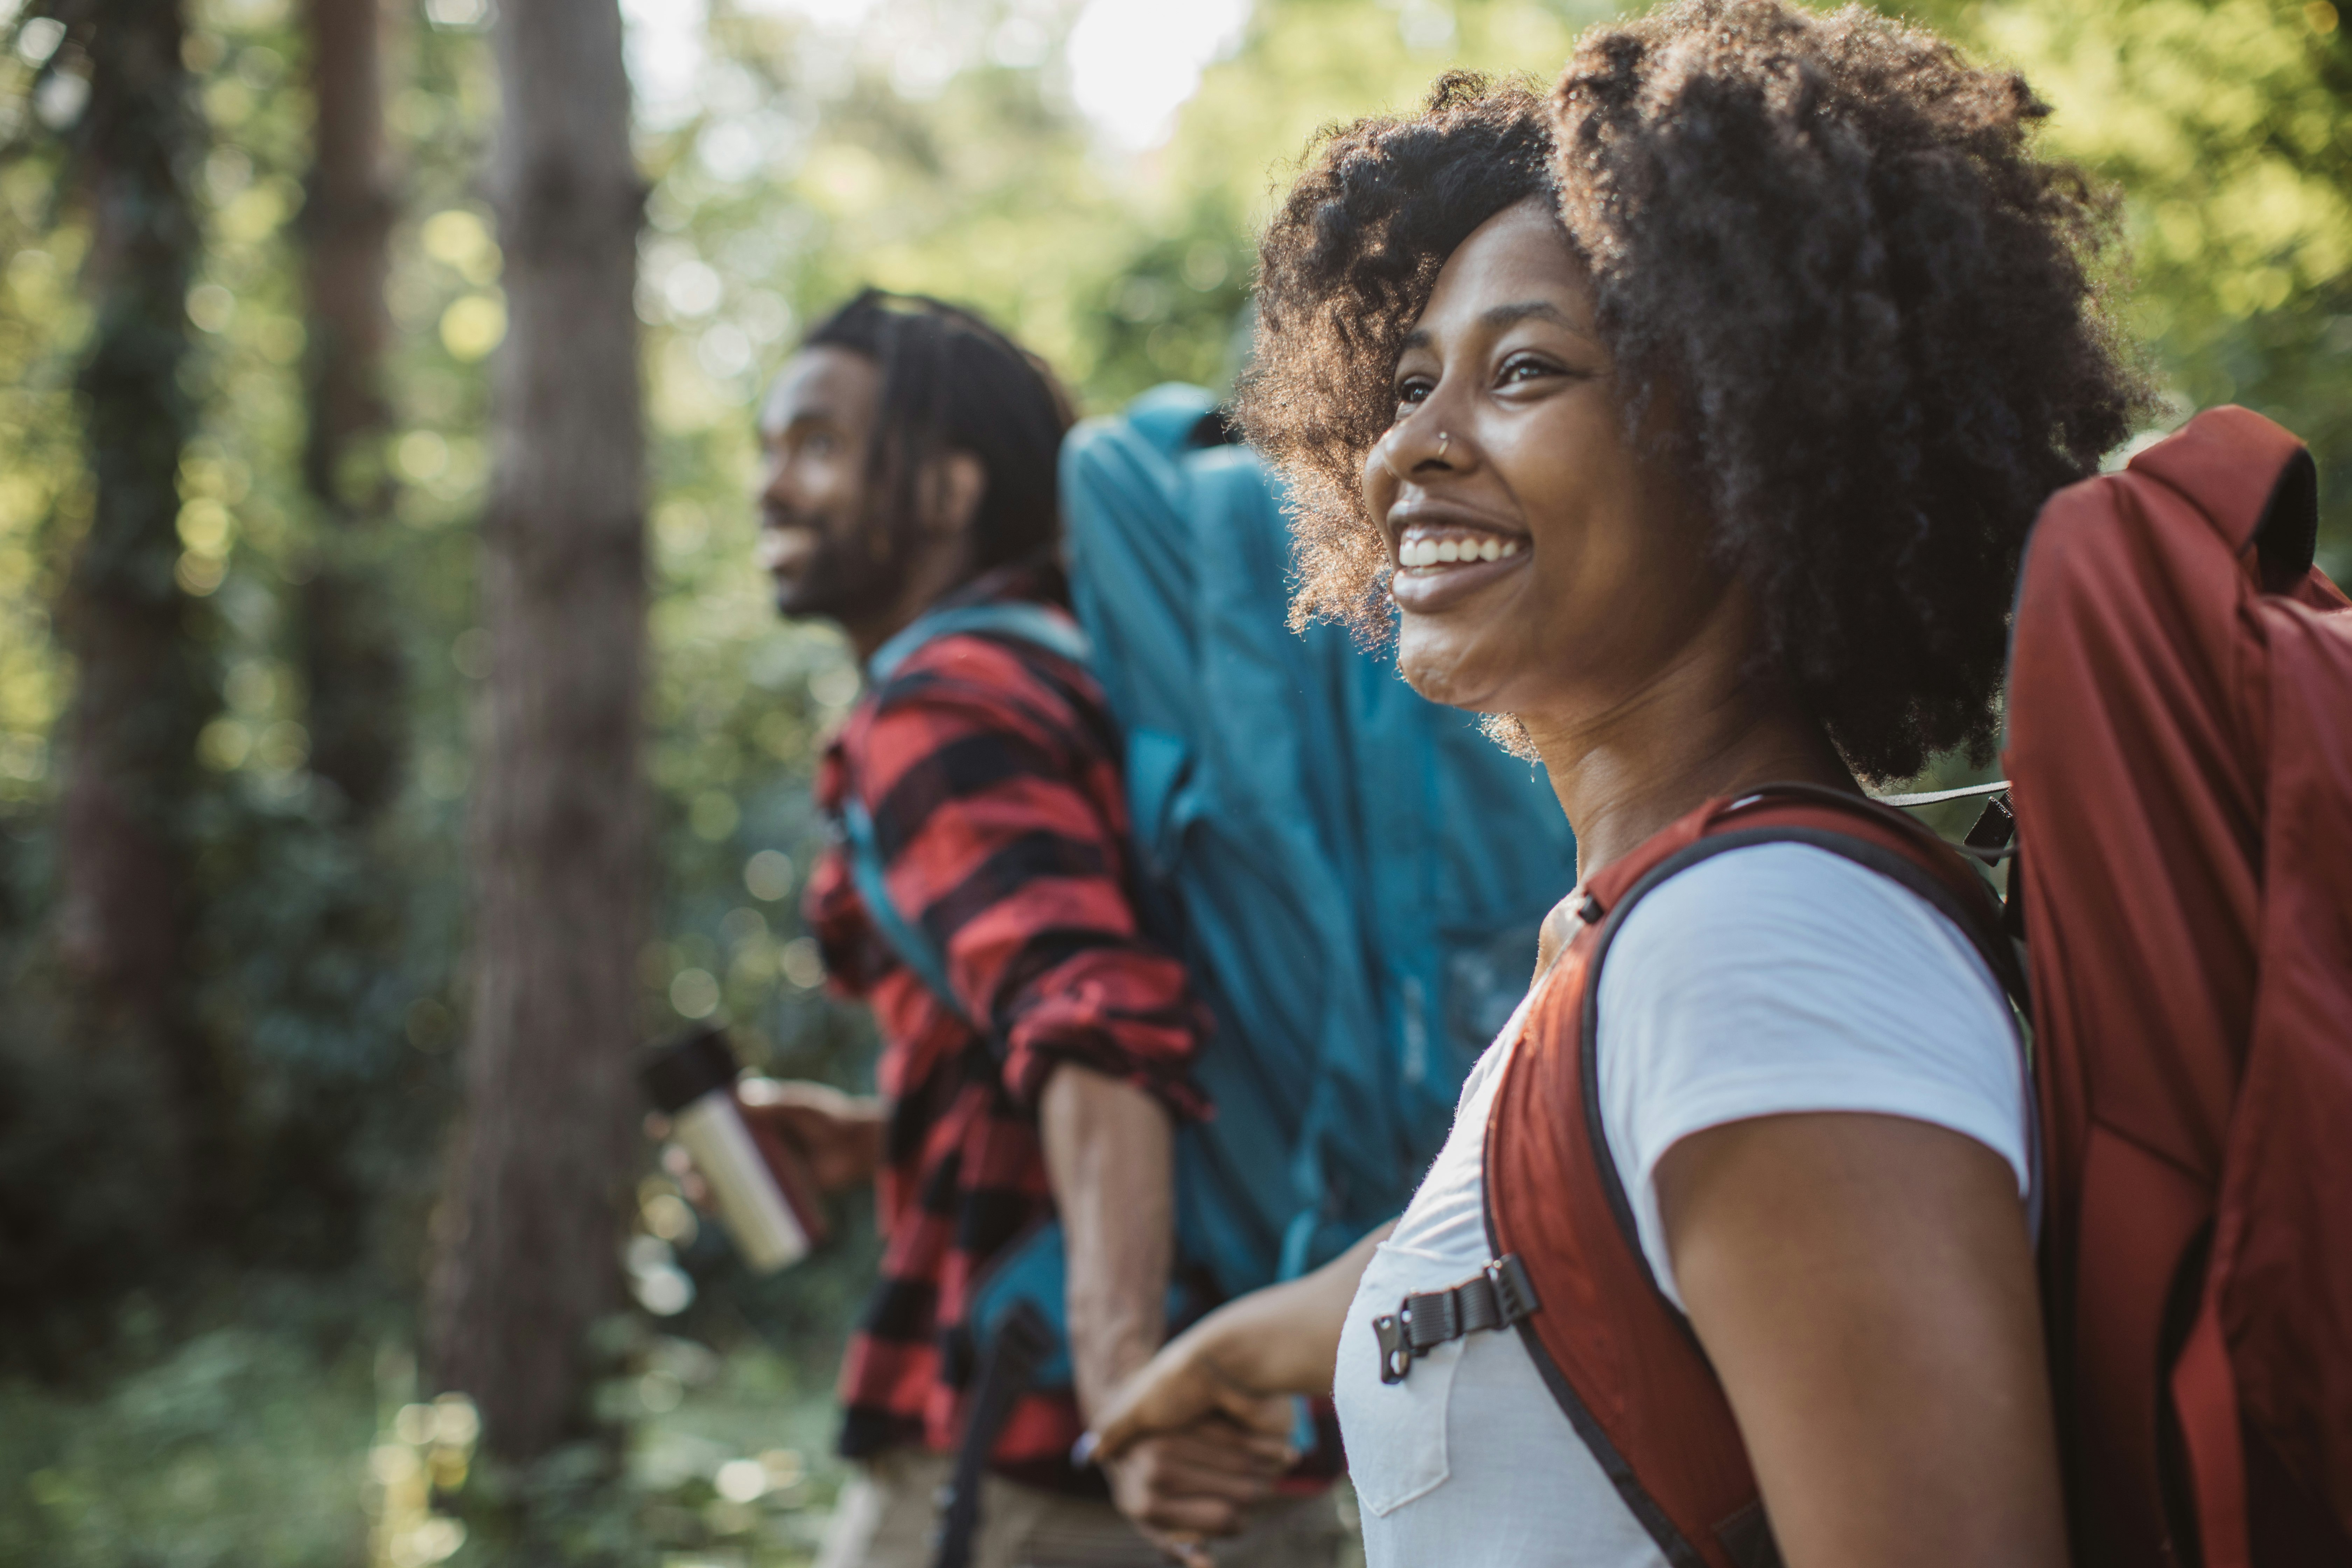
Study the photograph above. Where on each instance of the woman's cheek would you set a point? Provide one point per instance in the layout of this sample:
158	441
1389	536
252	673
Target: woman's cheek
1377	484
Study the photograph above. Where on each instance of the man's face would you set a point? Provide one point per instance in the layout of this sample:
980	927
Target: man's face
818	539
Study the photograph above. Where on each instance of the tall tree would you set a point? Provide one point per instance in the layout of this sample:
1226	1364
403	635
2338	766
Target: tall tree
351	648
532	1225
143	682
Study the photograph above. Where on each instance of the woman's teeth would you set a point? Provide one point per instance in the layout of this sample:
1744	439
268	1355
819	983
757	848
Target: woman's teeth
1425	552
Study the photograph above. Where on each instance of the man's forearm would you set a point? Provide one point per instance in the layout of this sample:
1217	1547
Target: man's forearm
1109	1157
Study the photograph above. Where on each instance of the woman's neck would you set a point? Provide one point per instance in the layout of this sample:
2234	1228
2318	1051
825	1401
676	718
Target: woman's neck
1702	726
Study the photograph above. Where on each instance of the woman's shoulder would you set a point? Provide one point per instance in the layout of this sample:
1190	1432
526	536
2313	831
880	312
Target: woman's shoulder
1780	978
1788	916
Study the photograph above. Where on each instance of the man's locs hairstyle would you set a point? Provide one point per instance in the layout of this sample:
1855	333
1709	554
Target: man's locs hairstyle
1876	310
950	381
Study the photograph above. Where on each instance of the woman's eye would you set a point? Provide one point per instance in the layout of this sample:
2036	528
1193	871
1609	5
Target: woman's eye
1412	394
1523	367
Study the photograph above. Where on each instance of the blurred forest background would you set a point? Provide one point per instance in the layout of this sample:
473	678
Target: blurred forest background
255	264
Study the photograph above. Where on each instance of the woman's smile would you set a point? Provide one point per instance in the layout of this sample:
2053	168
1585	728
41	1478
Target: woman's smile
1521	529
1440	560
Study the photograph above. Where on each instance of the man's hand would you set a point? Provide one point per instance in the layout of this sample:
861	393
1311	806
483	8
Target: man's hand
1181	1487
839	1135
1227	1380
1188	1450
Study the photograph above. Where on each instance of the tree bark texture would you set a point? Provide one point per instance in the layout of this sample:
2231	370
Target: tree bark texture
532	1227
144	685
351	641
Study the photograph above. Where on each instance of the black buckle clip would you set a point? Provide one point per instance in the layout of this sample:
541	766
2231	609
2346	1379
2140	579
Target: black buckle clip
1515	1293
1396	1347
1498	1295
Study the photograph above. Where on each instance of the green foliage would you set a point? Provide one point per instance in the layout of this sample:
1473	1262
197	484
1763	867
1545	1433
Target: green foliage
2228	124
720	1458
43	491
236	1444
273	1431
327	975
79	1175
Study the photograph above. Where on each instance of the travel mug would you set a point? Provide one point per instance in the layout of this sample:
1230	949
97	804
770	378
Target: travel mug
765	1196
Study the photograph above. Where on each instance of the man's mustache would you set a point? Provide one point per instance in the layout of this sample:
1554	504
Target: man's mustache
783	518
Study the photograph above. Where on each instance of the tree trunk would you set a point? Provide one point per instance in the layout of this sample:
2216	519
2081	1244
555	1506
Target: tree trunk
351	648
532	1227
143	686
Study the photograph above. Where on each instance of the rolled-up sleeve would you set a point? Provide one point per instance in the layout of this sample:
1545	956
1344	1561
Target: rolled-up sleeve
1001	824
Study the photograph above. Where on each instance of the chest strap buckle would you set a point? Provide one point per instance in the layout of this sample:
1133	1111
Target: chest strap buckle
1496	1297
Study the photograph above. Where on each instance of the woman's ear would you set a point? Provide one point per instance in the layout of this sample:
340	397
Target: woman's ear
953	483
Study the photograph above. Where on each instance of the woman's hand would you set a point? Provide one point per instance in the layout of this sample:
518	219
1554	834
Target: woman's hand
1236	1362
1183	1387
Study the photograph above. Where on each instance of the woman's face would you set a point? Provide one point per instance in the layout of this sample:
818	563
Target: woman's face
1542	565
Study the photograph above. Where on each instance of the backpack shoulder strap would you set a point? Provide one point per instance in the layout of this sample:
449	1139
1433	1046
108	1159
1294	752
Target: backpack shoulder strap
913	945
1015	620
1872	834
1621	1361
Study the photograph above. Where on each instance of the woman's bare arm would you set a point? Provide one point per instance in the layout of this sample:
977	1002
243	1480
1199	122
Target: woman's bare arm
1241	1360
1865	1287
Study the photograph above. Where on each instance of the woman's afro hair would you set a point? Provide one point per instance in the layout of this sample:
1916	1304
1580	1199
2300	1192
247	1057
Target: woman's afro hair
1873	311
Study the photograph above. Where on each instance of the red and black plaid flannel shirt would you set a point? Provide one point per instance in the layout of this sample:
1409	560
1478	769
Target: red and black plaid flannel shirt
989	767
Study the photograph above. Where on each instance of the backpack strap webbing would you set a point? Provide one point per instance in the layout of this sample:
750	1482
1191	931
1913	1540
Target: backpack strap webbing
1494	1297
1017	620
1007	1370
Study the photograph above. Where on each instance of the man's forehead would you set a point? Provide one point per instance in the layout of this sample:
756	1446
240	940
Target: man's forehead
824	383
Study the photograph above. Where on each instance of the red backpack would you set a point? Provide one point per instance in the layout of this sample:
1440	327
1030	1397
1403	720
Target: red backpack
2180	758
2181	750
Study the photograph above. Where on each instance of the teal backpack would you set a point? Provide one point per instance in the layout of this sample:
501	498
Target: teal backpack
1353	876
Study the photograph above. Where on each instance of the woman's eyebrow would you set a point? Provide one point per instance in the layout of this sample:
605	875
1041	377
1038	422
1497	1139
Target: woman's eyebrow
1496	318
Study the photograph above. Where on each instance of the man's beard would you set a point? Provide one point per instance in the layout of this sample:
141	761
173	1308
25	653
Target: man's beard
845	579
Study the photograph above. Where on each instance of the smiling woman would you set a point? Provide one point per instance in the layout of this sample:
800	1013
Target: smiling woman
1689	425
1874	377
1509	432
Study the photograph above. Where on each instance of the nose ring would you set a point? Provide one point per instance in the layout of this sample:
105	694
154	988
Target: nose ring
1443	439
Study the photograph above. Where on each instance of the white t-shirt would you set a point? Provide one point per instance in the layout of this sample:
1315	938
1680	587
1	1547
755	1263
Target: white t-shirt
1764	981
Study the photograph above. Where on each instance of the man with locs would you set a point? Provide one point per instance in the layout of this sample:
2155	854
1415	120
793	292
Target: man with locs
910	468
